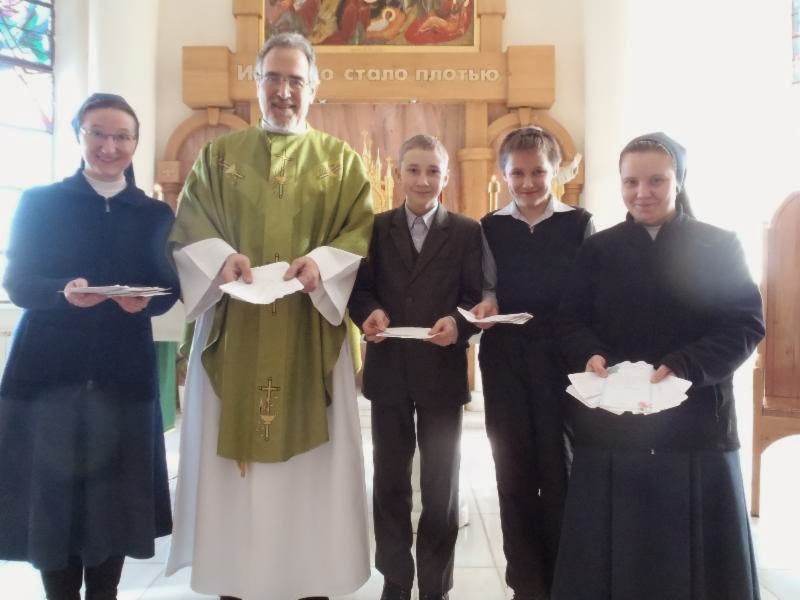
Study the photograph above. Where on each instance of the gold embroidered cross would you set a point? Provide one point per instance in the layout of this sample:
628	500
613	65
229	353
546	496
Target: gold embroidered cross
280	174
265	406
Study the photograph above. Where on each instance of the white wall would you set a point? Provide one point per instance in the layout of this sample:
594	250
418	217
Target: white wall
560	24
716	76
185	23
106	46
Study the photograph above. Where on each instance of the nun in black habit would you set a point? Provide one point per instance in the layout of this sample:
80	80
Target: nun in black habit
655	508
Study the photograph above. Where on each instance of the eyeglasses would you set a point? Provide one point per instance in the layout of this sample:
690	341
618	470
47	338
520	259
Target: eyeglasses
119	139
274	80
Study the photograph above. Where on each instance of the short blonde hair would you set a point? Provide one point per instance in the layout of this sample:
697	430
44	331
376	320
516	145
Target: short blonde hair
424	141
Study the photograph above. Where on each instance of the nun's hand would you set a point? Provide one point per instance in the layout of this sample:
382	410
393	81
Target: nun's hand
597	365
132	304
661	372
81	300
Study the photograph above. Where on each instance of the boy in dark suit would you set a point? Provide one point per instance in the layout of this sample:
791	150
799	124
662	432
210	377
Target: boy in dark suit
423	263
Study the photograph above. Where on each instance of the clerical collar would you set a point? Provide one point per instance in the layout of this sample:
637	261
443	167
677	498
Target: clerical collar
302	128
106	189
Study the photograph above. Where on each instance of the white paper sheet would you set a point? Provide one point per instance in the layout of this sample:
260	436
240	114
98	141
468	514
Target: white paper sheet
511	318
628	389
412	333
268	285
121	290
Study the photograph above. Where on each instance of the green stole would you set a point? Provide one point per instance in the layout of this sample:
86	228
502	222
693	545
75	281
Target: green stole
274	197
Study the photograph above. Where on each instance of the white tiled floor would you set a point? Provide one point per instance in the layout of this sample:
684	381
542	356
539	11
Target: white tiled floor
479	553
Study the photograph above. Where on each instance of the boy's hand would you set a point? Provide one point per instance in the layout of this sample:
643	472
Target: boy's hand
376	322
444	331
485	308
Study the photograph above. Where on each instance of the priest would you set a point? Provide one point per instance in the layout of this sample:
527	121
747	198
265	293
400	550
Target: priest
271	499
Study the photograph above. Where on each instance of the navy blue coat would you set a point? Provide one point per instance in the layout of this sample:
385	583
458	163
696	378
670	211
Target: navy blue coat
82	464
66	230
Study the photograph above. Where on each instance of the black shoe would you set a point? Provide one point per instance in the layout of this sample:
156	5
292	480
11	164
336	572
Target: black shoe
392	591
444	596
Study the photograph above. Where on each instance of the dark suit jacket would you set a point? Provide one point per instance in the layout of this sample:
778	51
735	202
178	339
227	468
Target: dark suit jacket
418	291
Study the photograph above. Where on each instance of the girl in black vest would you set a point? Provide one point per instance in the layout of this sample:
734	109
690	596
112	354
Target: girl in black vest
530	245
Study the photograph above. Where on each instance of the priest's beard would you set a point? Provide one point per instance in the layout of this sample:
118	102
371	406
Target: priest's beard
294	127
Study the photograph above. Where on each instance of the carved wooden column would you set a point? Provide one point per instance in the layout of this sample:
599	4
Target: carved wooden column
475	161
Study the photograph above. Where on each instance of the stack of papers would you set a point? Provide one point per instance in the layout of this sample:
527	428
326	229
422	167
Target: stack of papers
512	318
628	389
268	285
409	333
121	290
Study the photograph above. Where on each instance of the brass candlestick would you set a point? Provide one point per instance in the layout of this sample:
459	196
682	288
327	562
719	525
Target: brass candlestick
494	193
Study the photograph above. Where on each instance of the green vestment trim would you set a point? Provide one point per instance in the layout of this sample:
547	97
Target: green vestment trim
268	195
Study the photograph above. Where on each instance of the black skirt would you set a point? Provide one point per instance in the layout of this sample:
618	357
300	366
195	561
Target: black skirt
82	473
655	526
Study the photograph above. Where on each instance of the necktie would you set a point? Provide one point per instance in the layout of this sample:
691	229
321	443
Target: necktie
418	230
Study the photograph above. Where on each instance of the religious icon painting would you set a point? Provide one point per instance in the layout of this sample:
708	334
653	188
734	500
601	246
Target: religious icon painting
375	23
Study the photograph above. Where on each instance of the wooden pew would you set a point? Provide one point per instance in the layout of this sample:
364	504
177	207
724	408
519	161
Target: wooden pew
776	376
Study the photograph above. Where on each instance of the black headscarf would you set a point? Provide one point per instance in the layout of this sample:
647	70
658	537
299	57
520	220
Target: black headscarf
103	100
678	154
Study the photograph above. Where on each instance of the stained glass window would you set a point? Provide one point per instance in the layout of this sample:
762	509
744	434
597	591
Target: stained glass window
26	104
796	39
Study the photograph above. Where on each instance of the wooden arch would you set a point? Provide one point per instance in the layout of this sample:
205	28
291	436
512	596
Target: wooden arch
185	142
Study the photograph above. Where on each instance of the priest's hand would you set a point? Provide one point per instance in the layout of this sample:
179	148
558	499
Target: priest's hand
132	304
235	266
376	322
306	270
444	332
597	365
483	309
81	300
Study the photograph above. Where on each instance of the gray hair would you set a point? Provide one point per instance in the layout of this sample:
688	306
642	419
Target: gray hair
294	41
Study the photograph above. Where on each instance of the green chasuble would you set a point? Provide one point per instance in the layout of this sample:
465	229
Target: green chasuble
274	197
